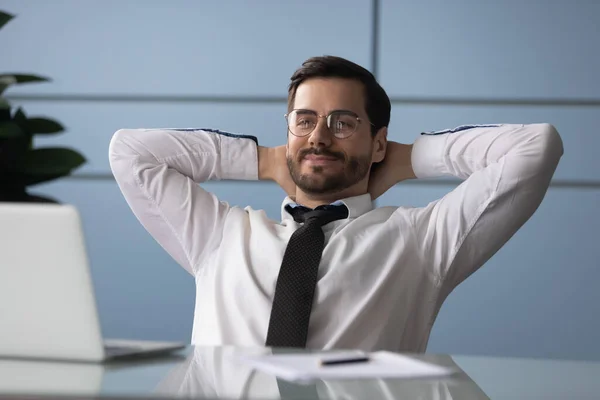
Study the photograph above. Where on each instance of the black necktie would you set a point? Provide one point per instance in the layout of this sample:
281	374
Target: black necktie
296	283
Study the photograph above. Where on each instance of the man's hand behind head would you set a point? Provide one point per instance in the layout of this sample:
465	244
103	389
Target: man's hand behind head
272	165
395	167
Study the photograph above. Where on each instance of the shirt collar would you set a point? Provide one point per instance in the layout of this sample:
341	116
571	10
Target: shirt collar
357	206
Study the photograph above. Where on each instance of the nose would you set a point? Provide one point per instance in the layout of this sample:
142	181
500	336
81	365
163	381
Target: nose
320	136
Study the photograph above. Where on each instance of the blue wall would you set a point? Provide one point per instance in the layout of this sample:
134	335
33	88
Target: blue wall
126	63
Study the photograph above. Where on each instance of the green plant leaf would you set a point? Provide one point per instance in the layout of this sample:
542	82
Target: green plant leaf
50	161
4	104
30	180
20	116
9	129
41	125
4	18
9	79
13	78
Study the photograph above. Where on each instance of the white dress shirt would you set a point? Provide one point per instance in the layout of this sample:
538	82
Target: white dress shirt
385	272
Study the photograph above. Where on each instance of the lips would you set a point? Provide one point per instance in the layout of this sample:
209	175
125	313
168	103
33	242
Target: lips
312	157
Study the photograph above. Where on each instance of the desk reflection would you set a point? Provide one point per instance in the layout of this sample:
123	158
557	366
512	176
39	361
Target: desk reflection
30	377
217	372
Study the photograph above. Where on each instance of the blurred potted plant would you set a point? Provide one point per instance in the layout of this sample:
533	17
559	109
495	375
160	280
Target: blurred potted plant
22	165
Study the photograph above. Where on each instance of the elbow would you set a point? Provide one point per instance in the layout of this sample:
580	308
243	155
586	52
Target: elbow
121	144
117	142
119	148
551	145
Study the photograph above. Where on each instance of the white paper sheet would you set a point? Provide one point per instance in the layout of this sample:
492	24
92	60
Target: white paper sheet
307	367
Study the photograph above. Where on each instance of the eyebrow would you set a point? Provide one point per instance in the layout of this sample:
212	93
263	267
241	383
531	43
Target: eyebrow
307	111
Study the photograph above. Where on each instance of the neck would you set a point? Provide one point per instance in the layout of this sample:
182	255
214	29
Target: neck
314	200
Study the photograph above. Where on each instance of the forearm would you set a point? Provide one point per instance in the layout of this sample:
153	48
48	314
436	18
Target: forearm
197	154
460	154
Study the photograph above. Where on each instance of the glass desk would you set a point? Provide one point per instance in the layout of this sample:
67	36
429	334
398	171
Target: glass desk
210	373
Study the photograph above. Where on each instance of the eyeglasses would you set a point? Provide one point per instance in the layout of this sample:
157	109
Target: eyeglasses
341	123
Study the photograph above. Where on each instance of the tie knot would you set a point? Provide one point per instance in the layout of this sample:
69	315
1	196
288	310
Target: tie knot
321	215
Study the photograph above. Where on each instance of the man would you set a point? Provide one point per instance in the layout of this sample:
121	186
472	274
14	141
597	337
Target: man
384	272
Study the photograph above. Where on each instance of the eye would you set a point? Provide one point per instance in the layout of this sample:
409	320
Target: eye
344	123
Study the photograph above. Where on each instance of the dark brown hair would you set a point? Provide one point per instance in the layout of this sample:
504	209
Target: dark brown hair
377	102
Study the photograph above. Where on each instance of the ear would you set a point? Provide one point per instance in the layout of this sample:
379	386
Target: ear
379	145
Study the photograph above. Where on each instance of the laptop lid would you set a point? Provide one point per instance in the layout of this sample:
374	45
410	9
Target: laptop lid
47	304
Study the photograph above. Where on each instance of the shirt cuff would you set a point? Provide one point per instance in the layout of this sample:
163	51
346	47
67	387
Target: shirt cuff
428	155
239	158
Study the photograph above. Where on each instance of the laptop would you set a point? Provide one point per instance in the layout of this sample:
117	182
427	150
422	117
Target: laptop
47	304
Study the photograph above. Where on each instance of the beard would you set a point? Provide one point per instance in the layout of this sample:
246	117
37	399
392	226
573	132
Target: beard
354	170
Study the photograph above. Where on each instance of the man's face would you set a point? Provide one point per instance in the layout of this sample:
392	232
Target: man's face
321	163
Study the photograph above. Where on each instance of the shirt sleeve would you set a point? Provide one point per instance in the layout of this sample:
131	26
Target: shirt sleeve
507	170
158	172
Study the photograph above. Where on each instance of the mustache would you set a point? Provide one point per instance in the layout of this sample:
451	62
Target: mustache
321	152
